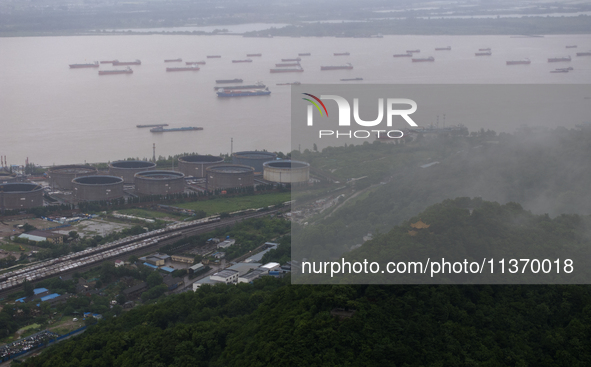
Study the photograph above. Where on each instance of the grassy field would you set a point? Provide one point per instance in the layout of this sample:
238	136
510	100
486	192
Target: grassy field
14	247
149	214
231	204
65	325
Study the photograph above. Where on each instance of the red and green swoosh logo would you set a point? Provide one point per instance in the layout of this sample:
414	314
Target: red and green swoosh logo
316	104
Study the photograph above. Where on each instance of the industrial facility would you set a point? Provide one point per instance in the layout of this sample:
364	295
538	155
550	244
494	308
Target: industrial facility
6	177
195	165
286	171
60	177
159	182
127	169
225	176
95	188
254	159
20	195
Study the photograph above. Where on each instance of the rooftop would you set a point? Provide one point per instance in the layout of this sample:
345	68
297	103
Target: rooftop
226	273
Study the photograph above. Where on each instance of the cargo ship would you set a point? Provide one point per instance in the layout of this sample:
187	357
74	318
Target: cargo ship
245	60
243	93
448	48
222	81
254	55
347	66
288	70
483	53
113	72
184	68
117	62
562	70
174	60
484	49
412	51
258	85
341	54
293	83
588	53
424	59
559	59
351	79
213	56
403	55
305	54
519	62
296	59
76	66
107	61
287	64
154	125
571	46
195	63
160	129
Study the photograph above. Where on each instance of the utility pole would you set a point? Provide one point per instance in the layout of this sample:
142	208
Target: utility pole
154	152
231	147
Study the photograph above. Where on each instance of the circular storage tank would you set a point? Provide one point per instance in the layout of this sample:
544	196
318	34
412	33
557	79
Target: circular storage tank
20	195
254	159
159	182
195	165
226	176
95	188
6	177
127	169
292	172
60	177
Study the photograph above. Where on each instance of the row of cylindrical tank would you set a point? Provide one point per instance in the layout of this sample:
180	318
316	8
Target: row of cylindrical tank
87	185
47	268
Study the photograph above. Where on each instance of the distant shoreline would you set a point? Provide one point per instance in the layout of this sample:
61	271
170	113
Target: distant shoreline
526	26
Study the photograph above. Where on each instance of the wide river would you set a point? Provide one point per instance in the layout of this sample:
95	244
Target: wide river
56	115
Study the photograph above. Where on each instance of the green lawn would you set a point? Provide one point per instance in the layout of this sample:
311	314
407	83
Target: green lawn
232	204
149	214
14	247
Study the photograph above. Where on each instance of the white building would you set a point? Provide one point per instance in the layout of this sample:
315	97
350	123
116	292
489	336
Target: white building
206	280
227	243
271	266
226	276
249	277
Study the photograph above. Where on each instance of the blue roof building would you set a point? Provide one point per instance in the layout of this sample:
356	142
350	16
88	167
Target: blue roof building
48	297
39	290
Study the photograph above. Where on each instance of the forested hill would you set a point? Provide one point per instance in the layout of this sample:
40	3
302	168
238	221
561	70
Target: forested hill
392	326
544	171
272	322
